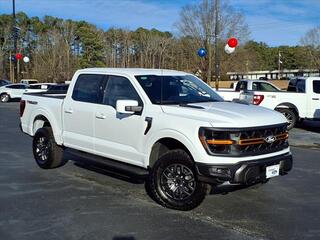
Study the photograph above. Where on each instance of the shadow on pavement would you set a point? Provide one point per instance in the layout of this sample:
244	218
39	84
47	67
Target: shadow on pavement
312	126
123	238
135	179
228	188
110	172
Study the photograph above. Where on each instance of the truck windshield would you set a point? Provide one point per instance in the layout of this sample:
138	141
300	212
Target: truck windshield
176	89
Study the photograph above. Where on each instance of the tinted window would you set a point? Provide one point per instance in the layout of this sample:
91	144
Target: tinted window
292	85
35	87
88	88
177	89
301	86
119	88
58	87
316	86
4	82
264	87
241	86
32	82
18	86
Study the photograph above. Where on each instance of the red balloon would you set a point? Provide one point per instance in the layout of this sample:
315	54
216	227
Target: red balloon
19	56
232	42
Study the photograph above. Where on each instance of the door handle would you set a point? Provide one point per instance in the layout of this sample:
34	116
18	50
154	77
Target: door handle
70	111
101	116
315	98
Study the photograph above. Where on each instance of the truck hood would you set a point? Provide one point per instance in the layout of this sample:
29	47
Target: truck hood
227	114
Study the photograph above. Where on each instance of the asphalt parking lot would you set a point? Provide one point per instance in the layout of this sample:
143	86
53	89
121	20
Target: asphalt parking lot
73	202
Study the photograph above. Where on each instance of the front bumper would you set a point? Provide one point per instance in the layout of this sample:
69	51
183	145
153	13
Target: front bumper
246	172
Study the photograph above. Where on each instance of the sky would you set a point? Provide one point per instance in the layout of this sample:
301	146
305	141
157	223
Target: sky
275	22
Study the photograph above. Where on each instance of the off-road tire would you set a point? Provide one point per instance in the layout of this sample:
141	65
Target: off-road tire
156	186
4	98
290	115
45	150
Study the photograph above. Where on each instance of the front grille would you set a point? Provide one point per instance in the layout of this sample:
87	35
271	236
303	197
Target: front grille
255	142
252	141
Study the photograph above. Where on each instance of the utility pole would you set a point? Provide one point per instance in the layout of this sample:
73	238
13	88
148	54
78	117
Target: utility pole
15	37
11	72
216	38
279	65
208	41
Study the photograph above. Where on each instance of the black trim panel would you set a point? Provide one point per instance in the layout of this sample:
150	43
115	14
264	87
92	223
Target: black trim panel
247	128
246	172
113	164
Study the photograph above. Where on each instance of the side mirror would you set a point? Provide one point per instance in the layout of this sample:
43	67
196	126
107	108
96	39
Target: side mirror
128	106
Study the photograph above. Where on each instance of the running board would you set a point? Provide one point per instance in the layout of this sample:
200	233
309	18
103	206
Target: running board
112	164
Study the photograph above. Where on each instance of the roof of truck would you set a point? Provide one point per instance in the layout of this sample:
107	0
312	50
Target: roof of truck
134	71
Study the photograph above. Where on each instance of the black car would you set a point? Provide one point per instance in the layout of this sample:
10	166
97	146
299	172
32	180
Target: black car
4	82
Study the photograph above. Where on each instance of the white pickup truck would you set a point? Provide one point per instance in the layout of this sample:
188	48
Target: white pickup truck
168	126
300	101
229	94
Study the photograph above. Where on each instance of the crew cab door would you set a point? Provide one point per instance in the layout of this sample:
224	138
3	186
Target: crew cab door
79	111
119	136
314	101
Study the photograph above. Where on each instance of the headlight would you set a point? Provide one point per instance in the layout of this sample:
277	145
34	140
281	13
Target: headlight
215	142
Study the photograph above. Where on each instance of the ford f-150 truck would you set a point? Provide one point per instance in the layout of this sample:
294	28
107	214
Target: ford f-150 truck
300	101
168	126
246	85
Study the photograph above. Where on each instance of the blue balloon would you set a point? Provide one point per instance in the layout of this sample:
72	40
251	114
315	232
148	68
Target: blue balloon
202	52
13	58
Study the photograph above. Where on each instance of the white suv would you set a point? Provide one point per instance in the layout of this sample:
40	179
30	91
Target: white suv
11	91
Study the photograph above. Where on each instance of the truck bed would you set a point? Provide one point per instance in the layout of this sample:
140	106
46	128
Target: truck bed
49	94
47	105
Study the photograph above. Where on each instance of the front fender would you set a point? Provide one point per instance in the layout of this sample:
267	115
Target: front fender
169	133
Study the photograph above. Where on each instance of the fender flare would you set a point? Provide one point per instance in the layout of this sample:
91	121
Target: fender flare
175	135
43	115
287	105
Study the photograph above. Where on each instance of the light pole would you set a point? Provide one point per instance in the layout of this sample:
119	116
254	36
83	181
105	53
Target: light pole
15	37
217	54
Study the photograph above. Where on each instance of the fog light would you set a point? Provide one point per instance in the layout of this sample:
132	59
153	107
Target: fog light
220	171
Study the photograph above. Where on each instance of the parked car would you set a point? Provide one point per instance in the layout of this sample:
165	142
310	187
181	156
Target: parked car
247	85
263	78
168	126
29	81
300	101
4	82
12	91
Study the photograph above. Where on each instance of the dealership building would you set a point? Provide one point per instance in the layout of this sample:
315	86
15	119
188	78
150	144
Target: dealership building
275	74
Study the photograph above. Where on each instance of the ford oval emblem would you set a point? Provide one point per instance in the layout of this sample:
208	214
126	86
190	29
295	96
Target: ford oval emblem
270	139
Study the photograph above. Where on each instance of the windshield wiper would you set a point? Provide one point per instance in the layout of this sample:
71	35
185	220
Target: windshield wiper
209	100
190	106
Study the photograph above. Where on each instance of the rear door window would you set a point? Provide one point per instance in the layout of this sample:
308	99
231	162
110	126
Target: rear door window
88	88
264	87
242	85
316	86
301	86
